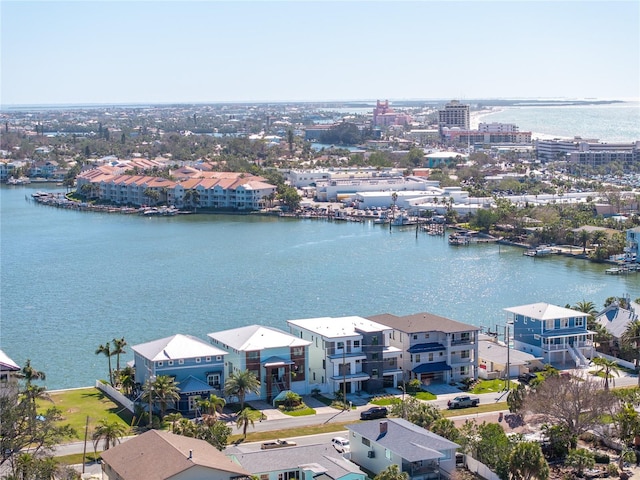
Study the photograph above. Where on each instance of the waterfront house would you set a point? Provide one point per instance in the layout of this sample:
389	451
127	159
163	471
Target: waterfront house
435	349
159	455
615	320
421	454
304	462
556	334
632	252
496	358
278	359
9	374
349	354
196	366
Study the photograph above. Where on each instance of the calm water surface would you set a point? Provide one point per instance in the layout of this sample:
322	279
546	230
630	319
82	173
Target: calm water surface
73	280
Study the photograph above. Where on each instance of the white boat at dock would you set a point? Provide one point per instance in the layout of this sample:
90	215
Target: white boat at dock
540	252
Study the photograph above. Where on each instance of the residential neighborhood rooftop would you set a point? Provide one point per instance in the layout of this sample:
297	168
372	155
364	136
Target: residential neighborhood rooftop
544	311
176	346
423	322
256	337
333	327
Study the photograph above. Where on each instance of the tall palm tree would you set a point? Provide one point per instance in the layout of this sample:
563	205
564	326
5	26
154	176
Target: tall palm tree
127	379
110	432
30	374
239	384
584	237
608	368
246	417
107	352
631	336
163	390
118	349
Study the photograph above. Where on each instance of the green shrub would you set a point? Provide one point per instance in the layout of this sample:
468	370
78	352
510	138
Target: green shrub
601	458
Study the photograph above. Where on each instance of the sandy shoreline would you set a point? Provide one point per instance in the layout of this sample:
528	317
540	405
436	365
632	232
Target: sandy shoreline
477	117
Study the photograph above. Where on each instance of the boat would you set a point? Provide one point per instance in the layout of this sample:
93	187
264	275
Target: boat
459	239
539	252
18	181
402	220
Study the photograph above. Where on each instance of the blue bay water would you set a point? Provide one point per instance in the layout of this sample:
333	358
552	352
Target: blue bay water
70	281
618	122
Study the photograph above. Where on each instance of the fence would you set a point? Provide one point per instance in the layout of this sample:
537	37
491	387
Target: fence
622	363
115	395
479	469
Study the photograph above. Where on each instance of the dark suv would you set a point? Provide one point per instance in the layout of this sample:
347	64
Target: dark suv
373	412
526	377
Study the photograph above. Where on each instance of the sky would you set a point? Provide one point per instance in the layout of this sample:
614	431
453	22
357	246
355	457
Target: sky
121	51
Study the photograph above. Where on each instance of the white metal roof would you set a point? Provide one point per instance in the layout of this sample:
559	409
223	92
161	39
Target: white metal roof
330	327
176	347
256	337
544	311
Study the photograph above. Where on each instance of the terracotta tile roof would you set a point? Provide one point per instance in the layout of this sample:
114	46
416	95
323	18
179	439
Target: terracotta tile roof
158	455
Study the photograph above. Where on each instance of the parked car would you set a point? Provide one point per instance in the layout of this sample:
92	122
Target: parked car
341	444
277	444
374	412
526	377
463	401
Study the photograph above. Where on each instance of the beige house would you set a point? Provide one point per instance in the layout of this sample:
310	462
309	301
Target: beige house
158	455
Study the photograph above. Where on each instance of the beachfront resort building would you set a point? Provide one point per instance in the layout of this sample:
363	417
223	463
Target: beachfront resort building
435	349
278	359
454	114
196	366
417	452
385	116
588	152
349	354
201	189
559	335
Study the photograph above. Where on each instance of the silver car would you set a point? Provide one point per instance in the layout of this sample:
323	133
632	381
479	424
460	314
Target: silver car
341	444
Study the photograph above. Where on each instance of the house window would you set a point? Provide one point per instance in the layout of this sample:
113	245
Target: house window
387	453
198	360
170	362
218	358
579	322
549	324
365	441
159	364
181	362
264	476
374	340
417	358
464	337
426	335
564	322
193	402
374	373
415	337
464	370
207	359
374	356
356	344
340	346
255	355
213	379
431	357
464	354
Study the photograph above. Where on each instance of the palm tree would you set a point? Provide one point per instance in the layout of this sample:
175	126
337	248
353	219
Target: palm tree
245	417
172	418
239	384
127	379
30	374
211	407
110	432
607	367
106	351
163	390
584	237
118	349
631	336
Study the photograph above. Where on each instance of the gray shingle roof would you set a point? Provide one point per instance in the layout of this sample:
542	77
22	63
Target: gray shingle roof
321	458
405	439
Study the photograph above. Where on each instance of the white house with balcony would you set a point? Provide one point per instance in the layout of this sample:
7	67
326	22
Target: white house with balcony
349	354
559	335
435	349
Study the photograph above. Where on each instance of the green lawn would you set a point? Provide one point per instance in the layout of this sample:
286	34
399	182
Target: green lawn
385	401
491	386
77	405
424	395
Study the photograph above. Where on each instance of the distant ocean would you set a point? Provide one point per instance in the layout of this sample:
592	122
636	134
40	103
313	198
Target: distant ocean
619	122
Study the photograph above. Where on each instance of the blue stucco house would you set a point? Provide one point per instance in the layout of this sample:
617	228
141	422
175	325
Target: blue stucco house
278	359
632	252
559	335
196	366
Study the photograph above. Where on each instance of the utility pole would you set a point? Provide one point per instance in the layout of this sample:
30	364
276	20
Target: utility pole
344	377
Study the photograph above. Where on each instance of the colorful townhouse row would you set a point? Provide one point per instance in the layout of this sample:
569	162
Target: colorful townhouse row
355	354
